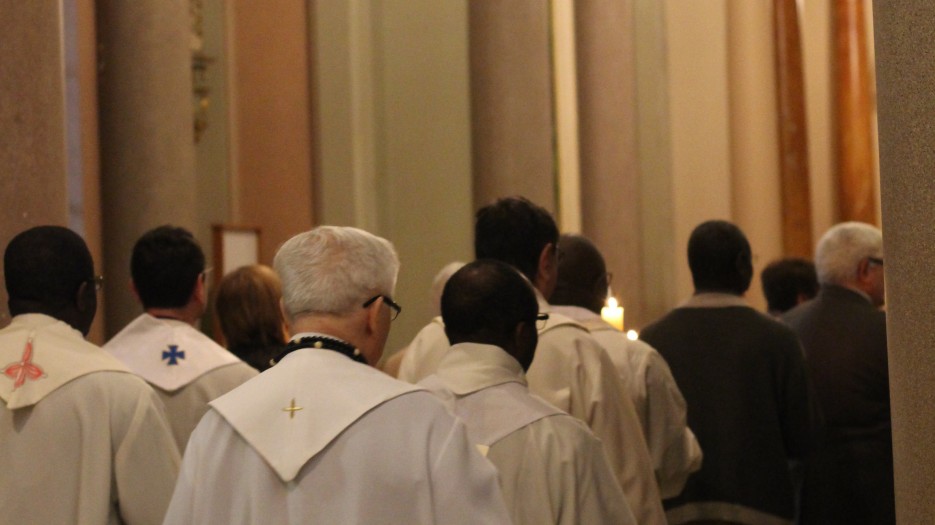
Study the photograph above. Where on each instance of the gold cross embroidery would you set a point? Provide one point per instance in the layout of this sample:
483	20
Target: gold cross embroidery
291	409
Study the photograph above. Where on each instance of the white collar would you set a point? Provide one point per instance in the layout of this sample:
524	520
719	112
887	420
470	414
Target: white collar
469	367
58	354
590	320
714	300
292	411
167	353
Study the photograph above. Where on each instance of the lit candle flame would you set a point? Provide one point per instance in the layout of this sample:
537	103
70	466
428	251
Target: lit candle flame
612	314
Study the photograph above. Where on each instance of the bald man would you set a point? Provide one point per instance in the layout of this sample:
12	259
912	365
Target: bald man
552	468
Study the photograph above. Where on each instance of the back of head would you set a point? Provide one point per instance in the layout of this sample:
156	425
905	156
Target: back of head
582	274
247	307
44	267
841	249
334	269
787	281
484	301
166	264
720	259
515	231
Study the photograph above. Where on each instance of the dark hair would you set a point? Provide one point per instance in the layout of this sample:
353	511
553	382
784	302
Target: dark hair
165	267
485	300
719	258
46	265
515	231
785	280
247	307
582	274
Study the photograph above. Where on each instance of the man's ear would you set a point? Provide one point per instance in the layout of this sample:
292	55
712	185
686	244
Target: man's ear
547	259
136	294
373	315
200	292
84	301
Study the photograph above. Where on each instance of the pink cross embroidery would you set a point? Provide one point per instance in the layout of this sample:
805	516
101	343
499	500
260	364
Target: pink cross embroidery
24	369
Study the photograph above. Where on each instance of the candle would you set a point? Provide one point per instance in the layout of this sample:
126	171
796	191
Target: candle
613	314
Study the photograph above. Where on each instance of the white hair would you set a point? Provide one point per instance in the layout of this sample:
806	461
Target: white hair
841	249
334	269
438	284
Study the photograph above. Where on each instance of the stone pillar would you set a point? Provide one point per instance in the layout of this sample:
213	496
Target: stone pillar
905	36
33	182
147	140
511	102
610	188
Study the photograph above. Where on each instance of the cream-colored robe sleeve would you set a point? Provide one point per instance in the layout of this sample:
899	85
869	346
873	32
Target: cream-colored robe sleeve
660	406
573	372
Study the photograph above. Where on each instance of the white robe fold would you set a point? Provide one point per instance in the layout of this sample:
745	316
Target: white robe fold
572	372
187	368
319	438
552	468
657	398
82	440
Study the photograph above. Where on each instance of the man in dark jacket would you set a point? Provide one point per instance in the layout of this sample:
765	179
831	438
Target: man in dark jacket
743	378
849	478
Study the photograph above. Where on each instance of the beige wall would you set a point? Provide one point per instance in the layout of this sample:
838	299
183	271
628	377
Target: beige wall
270	119
707	131
754	134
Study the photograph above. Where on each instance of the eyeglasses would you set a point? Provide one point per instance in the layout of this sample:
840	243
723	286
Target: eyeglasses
97	281
541	321
875	260
396	309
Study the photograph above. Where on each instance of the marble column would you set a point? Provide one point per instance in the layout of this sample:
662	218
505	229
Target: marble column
511	102
33	178
905	37
147	140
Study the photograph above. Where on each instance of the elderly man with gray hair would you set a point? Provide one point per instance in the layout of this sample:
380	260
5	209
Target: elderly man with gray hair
322	437
849	478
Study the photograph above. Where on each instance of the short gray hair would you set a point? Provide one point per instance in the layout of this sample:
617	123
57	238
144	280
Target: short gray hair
841	249
334	269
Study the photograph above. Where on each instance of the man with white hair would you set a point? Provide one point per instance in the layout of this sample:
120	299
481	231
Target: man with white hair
321	437
849	478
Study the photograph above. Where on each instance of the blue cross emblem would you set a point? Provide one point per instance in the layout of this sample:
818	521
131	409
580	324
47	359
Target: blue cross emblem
173	355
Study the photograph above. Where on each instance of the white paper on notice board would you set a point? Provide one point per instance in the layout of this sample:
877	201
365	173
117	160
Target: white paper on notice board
241	248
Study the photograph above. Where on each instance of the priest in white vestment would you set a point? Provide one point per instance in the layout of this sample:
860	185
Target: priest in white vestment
322	437
583	283
552	468
82	440
571	370
186	368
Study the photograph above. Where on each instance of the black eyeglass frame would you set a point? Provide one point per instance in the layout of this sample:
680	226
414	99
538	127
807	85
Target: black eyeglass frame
541	320
875	260
396	308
